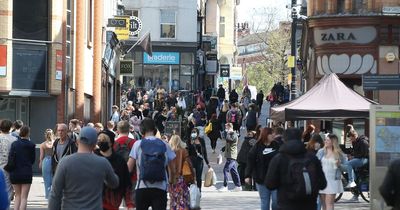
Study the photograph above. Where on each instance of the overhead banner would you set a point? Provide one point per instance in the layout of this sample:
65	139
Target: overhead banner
166	58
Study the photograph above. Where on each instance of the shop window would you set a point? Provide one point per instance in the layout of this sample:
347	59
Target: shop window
359	6
340	6
187	58
168	24
158	75
89	23
186	83
221	26
30	20
14	109
187	70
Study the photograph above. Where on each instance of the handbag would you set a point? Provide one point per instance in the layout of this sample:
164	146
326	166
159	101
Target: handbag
208	128
195	196
187	173
10	166
208	178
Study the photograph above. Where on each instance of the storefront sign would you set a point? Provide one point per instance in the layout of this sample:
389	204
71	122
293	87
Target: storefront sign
59	64
391	10
123	32
224	70
361	35
236	73
135	25
116	22
166	58
3	60
212	63
126	67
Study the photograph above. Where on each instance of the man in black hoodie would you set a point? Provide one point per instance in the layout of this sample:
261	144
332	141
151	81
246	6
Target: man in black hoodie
277	177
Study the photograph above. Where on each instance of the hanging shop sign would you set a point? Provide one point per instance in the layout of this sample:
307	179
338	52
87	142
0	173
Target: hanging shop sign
126	67
224	70
135	25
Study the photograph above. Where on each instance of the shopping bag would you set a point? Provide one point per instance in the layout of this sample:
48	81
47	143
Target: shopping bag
214	178
219	160
208	179
208	128
194	196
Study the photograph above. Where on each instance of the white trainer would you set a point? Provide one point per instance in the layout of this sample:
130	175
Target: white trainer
237	189
351	185
223	189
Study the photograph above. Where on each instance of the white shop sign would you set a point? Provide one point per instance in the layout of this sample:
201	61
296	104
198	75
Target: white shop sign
360	35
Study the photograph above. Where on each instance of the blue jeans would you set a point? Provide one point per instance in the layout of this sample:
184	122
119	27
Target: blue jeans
231	166
353	164
266	196
47	175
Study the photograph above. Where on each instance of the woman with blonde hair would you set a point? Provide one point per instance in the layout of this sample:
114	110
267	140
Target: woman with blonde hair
222	114
46	151
331	157
178	188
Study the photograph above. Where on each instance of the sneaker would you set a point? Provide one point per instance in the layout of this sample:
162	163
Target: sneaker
237	189
354	198
351	185
223	189
213	151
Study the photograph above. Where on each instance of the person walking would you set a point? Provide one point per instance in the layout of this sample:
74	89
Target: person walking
221	95
215	133
151	156
251	118
198	154
257	166
22	153
249	141
63	146
46	150
259	101
4	202
112	198
231	138
5	144
222	114
390	188
178	189
233	97
331	157
79	178
284	177
234	116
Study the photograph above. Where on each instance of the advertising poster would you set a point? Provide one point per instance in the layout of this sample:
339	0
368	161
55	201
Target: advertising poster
384	147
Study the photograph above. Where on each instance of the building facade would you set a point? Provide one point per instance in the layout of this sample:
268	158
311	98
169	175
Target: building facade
173	29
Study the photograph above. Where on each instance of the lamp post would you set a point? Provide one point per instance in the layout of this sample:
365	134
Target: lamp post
293	50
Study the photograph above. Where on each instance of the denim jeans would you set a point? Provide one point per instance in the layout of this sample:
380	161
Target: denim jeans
353	164
47	175
266	197
231	166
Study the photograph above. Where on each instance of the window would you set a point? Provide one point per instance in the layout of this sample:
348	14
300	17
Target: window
30	20
89	23
222	27
340	7
132	12
168	23
68	55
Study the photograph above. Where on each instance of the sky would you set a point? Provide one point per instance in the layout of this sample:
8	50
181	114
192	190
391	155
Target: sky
252	10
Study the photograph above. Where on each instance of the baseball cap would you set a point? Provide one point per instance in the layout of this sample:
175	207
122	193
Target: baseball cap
88	136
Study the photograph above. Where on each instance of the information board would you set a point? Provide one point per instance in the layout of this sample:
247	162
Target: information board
384	147
171	126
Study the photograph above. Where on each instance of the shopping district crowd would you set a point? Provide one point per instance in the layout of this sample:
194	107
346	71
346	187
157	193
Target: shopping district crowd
138	164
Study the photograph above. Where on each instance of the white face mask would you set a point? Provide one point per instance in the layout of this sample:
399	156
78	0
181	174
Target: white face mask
193	135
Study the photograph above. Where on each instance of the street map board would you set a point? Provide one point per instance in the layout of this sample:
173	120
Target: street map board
384	147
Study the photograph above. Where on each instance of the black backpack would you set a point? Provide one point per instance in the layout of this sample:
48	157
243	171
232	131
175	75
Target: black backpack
302	177
123	149
152	160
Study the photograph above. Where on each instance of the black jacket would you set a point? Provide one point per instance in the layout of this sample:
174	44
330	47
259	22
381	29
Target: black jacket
69	149
216	129
278	169
247	144
259	98
258	161
233	97
24	151
361	147
221	93
198	151
390	188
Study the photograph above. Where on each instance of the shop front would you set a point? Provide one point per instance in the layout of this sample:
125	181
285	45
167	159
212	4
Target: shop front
168	68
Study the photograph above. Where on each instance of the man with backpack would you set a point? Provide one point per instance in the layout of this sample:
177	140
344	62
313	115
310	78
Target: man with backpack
151	156
297	175
234	116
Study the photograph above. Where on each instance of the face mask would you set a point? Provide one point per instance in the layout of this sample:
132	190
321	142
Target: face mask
103	146
193	135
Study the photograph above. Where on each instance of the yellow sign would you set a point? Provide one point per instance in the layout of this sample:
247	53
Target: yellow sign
289	78
123	32
290	62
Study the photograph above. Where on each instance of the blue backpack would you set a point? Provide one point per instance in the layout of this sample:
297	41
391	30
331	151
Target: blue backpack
152	160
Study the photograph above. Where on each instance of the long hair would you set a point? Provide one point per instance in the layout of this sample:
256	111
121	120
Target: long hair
176	143
263	138
48	135
310	128
337	152
225	107
316	138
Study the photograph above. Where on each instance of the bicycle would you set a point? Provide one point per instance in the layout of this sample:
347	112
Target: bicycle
362	181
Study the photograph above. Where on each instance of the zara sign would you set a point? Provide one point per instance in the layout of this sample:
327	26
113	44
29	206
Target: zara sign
359	35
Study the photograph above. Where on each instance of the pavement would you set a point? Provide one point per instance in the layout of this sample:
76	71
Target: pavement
211	197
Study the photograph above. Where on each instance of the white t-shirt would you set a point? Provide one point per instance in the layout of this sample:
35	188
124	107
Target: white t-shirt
136	153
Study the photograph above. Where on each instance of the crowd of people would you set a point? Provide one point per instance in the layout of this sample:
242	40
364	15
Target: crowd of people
138	165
